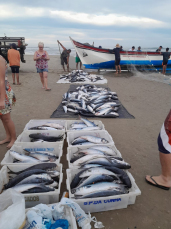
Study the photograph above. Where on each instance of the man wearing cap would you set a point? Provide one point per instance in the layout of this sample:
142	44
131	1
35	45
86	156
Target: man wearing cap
133	49
159	49
116	51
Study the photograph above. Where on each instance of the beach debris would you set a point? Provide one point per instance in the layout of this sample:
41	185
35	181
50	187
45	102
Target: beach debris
80	76
90	100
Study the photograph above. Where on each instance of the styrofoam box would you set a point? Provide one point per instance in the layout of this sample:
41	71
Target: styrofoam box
54	148
35	198
96	122
98	133
100	204
72	150
24	136
69	213
40	122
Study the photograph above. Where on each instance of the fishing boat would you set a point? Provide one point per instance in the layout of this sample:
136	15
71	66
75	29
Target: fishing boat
99	58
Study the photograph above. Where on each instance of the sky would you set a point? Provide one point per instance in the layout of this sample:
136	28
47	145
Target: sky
106	22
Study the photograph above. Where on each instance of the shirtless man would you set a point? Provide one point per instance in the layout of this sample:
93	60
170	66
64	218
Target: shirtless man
65	57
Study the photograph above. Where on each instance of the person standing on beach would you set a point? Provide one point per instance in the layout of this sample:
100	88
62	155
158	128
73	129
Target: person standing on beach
116	51
166	57
163	181
65	56
41	57
159	49
14	61
7	99
77	60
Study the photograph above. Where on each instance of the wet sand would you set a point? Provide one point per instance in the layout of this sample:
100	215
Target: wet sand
136	139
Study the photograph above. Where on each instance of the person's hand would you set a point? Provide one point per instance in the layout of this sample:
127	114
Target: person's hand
2	105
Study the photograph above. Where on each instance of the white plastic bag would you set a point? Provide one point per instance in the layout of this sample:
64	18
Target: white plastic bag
12	210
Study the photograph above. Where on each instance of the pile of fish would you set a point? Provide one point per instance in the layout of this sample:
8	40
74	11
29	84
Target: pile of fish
38	137
101	173
36	179
90	100
33	157
87	139
80	76
85	124
48	126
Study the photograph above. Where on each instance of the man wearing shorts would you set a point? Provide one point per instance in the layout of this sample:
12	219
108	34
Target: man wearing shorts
166	56
65	57
163	181
116	51
14	61
77	60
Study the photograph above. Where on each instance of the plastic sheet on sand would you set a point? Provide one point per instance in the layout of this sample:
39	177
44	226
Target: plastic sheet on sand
103	81
59	112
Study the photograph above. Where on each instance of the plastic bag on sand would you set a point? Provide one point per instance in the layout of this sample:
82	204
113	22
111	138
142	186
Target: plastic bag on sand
12	210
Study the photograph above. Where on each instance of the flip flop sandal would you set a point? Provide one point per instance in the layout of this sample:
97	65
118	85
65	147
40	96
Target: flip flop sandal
156	185
48	90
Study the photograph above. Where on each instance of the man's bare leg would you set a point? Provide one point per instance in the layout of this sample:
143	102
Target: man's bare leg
63	67
17	76
116	69
8	137
165	178
119	68
80	65
13	78
76	66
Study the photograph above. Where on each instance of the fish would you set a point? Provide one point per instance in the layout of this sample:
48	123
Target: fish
54	125
98	170
86	158
26	187
42	128
89	151
22	176
43	156
92	179
103	186
78	141
22	157
46	138
105	149
37	179
93	139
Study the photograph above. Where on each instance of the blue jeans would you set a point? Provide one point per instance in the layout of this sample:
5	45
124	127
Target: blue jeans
42	70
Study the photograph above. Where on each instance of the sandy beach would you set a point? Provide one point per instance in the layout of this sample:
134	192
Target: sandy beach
136	139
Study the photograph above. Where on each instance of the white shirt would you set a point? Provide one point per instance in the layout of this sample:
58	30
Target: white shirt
132	50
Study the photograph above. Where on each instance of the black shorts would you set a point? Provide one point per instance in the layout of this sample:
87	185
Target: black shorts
117	61
63	60
15	69
165	62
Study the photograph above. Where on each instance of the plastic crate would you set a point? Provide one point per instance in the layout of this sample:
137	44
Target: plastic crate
72	150
35	198
98	133
24	136
40	122
100	204
98	123
55	148
68	211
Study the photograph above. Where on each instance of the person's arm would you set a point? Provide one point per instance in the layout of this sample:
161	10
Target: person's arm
47	56
2	83
19	56
61	45
35	57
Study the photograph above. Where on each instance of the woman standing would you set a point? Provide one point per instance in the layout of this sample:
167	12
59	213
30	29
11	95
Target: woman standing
14	61
41	57
7	99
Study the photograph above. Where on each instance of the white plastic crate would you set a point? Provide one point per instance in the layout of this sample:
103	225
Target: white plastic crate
32	199
72	150
69	213
24	136
100	204
96	122
98	133
54	148
40	122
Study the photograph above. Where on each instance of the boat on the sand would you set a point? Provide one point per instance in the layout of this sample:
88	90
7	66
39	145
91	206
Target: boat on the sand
100	58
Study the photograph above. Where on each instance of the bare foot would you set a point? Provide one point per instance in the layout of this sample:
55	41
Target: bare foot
160	180
18	83
6	140
116	72
43	87
10	144
119	72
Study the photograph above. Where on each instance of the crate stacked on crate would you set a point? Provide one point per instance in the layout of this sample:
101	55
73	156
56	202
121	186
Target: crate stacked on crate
17	164
92	160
